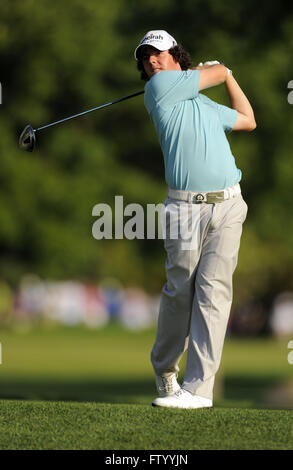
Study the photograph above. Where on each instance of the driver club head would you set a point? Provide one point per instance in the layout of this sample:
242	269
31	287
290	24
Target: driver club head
27	139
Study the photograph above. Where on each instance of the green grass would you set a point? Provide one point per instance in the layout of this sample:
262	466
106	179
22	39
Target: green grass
91	389
67	425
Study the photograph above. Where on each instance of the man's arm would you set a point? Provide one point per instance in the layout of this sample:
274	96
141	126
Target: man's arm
245	120
211	75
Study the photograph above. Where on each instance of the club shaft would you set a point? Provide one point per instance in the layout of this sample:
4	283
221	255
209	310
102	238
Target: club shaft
90	110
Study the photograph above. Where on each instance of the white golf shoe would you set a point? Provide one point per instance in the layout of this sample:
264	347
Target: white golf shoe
183	399
167	386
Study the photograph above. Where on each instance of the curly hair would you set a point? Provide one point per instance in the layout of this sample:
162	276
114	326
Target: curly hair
179	55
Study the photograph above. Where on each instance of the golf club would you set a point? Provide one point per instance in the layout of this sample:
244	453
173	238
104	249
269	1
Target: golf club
27	139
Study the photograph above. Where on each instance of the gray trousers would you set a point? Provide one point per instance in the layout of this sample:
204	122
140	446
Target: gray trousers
197	297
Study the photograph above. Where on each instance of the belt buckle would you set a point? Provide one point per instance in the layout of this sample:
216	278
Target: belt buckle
198	199
215	197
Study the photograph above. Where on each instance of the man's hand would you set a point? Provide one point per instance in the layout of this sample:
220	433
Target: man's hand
205	65
209	63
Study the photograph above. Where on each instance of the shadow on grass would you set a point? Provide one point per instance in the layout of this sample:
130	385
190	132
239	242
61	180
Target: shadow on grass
252	391
259	391
99	391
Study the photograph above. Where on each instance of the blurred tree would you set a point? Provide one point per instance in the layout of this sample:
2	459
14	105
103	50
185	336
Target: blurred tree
62	58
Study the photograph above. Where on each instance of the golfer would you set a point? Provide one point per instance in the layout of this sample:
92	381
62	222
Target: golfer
201	173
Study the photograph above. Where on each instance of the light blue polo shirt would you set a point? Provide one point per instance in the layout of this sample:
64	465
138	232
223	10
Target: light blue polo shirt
191	130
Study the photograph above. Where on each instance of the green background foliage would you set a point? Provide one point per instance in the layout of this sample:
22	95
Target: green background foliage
60	58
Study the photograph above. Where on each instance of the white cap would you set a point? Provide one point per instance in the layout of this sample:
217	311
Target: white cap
159	39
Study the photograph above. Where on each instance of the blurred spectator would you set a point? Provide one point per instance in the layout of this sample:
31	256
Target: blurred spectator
113	294
281	320
73	303
68	302
64	302
135	311
31	296
95	307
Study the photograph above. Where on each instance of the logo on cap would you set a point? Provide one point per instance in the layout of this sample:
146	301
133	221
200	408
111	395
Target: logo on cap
153	36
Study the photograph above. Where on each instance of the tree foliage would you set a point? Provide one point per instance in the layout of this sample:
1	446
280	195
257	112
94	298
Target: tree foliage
60	58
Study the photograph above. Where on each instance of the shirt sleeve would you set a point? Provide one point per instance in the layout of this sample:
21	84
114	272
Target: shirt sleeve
228	116
170	87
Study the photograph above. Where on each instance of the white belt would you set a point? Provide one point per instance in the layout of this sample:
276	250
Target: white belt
210	197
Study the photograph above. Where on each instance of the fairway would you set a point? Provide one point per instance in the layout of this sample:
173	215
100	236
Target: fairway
77	388
52	425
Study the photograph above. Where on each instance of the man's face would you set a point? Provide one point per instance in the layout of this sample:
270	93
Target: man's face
155	61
